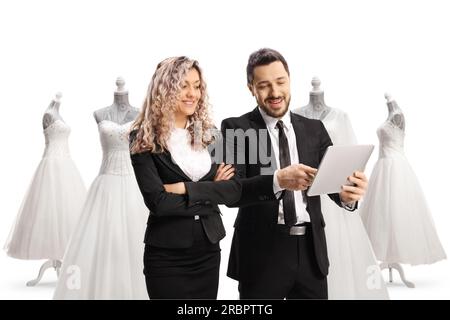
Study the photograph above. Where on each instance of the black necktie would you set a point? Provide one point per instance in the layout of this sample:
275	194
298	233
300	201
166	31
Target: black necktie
290	217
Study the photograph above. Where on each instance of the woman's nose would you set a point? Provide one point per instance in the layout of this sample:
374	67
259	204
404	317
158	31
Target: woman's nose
189	92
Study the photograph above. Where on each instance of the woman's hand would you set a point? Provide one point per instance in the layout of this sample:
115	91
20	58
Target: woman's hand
224	172
178	188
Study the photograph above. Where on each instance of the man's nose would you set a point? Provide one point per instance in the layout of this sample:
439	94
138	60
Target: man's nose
274	93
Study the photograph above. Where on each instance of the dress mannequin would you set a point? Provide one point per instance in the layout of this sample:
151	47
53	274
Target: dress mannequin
395	115
52	112
316	108
396	118
106	246
51	205
50	116
120	111
349	250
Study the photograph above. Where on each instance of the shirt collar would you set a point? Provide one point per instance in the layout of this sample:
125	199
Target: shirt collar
271	122
188	123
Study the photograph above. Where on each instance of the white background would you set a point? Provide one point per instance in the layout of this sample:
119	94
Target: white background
359	49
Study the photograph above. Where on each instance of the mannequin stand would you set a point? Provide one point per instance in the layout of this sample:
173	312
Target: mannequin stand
56	264
399	268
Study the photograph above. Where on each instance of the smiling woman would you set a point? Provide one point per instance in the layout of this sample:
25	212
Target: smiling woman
182	253
177	93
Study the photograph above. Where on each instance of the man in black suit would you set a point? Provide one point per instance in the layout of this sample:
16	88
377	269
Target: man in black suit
279	248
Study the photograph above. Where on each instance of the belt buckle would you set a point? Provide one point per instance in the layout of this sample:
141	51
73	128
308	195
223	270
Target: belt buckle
297	230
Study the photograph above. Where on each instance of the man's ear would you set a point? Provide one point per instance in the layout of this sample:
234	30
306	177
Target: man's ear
250	87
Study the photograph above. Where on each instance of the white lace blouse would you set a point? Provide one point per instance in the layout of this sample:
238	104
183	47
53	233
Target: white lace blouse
194	163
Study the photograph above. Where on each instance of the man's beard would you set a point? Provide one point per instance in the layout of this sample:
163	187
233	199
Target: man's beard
277	113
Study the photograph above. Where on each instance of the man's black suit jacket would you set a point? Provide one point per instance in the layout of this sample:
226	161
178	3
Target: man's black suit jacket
257	222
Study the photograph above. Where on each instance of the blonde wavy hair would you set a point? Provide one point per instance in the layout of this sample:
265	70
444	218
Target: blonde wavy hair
156	119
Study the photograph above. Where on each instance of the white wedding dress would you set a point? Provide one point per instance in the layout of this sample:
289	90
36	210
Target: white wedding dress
104	259
52	204
394	210
354	272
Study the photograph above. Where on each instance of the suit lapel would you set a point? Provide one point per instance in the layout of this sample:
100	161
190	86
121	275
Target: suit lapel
257	123
210	175
166	158
300	136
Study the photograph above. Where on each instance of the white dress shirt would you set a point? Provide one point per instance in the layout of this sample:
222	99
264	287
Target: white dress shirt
194	163
300	206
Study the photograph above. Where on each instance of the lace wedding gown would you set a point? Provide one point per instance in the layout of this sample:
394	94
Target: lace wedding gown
394	211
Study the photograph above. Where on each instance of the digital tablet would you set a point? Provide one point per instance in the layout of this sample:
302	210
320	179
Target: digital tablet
338	163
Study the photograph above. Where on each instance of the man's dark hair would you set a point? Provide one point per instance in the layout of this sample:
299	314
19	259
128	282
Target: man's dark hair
263	57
